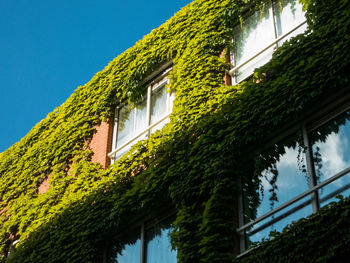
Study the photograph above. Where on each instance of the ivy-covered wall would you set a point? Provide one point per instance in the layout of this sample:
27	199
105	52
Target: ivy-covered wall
192	165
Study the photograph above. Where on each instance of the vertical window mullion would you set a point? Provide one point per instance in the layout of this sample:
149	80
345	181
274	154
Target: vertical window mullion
310	171
149	94
274	20
232	55
115	129
143	244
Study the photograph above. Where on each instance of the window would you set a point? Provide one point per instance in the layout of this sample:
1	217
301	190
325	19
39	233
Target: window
136	122
311	171
262	32
148	243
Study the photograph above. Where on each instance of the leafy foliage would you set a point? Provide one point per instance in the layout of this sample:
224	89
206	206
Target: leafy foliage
193	164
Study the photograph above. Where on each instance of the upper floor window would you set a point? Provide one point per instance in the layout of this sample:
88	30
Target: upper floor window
137	122
148	243
309	173
262	32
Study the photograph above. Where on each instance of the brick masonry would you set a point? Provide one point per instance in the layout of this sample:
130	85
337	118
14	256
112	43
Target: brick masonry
44	186
101	143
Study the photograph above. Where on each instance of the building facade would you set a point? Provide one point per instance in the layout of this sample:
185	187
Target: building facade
222	136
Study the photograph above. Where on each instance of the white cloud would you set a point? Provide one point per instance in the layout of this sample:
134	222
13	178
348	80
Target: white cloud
289	158
289	176
332	154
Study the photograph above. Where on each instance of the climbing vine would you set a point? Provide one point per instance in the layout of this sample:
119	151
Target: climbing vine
192	165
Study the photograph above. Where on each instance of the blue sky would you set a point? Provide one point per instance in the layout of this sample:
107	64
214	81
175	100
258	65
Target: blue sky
49	48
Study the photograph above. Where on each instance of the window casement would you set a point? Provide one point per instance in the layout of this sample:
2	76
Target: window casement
262	32
148	242
310	172
136	122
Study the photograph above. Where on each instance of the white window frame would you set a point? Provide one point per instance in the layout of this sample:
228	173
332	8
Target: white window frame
315	200
159	82
274	43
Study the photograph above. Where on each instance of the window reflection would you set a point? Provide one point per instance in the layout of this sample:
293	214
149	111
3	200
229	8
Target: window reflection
125	124
289	14
158	247
288	177
130	252
137	122
261	29
159	107
158	104
141	117
131	121
331	154
257	32
280	182
283	180
155	242
278	221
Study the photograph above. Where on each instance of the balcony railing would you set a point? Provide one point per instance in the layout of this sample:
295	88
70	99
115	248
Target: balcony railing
309	192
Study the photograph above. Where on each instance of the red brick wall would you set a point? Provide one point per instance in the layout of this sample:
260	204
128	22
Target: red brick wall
101	143
44	186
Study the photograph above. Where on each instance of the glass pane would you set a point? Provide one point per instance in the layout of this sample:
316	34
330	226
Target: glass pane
121	152
256	34
291	180
298	210
331	154
130	251
170	107
141	117
160	125
158	104
289	14
125	124
279	183
330	192
171	101
158	248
